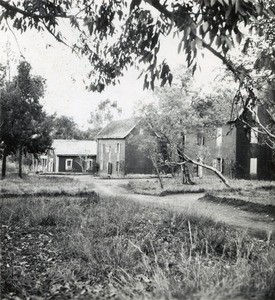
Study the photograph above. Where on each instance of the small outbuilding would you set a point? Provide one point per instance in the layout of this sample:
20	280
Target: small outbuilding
72	156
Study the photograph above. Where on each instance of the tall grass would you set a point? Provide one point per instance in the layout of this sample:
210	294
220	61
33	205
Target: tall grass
110	247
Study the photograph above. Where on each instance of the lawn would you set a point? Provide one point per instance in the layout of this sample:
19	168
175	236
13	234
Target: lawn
256	193
42	185
86	247
208	184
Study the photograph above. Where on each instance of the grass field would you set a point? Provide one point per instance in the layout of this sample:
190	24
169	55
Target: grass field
208	184
247	190
89	247
42	185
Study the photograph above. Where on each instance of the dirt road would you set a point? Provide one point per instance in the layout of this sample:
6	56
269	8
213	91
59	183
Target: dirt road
185	202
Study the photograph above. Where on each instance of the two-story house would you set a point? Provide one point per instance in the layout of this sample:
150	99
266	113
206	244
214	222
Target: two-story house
237	150
117	155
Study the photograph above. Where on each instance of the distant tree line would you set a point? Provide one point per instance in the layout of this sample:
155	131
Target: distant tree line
26	129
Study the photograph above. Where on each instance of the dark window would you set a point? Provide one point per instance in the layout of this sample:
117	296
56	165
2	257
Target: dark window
200	139
117	166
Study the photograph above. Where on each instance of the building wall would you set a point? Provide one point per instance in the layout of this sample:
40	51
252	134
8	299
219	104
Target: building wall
243	152
75	163
237	151
75	166
136	161
247	151
130	160
216	149
110	159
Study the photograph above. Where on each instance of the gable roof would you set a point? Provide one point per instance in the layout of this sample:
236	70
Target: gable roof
118	129
74	147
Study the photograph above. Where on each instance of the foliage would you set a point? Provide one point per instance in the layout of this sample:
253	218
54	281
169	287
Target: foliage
2	75
114	35
85	248
25	126
105	112
64	128
136	31
180	114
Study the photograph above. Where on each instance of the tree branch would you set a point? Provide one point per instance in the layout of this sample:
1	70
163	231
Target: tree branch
28	14
159	7
15	40
257	120
163	10
218	173
225	61
189	159
55	36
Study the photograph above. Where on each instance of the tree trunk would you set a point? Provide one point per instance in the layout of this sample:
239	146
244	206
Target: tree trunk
186	179
4	164
157	170
159	177
218	173
20	158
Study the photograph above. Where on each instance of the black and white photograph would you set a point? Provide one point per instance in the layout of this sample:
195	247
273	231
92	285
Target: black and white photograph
137	149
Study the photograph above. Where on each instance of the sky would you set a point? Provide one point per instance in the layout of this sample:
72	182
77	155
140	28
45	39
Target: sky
65	74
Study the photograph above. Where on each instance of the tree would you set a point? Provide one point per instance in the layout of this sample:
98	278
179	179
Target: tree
114	36
25	127
181	111
136	31
64	128
105	112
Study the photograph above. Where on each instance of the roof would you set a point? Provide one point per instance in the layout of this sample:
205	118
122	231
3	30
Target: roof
118	129
74	147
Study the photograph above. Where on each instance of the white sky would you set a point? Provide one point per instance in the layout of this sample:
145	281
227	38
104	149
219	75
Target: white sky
65	72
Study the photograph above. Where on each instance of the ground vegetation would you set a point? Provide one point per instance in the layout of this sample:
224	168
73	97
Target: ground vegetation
86	246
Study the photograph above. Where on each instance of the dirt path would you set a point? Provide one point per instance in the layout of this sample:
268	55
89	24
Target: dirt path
185	202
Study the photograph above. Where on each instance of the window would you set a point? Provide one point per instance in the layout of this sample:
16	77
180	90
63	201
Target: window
141	131
219	136
101	162
90	164
200	139
218	164
118	148
117	166
44	162
184	138
68	164
254	135
109	168
110	152
102	150
108	148
253	166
